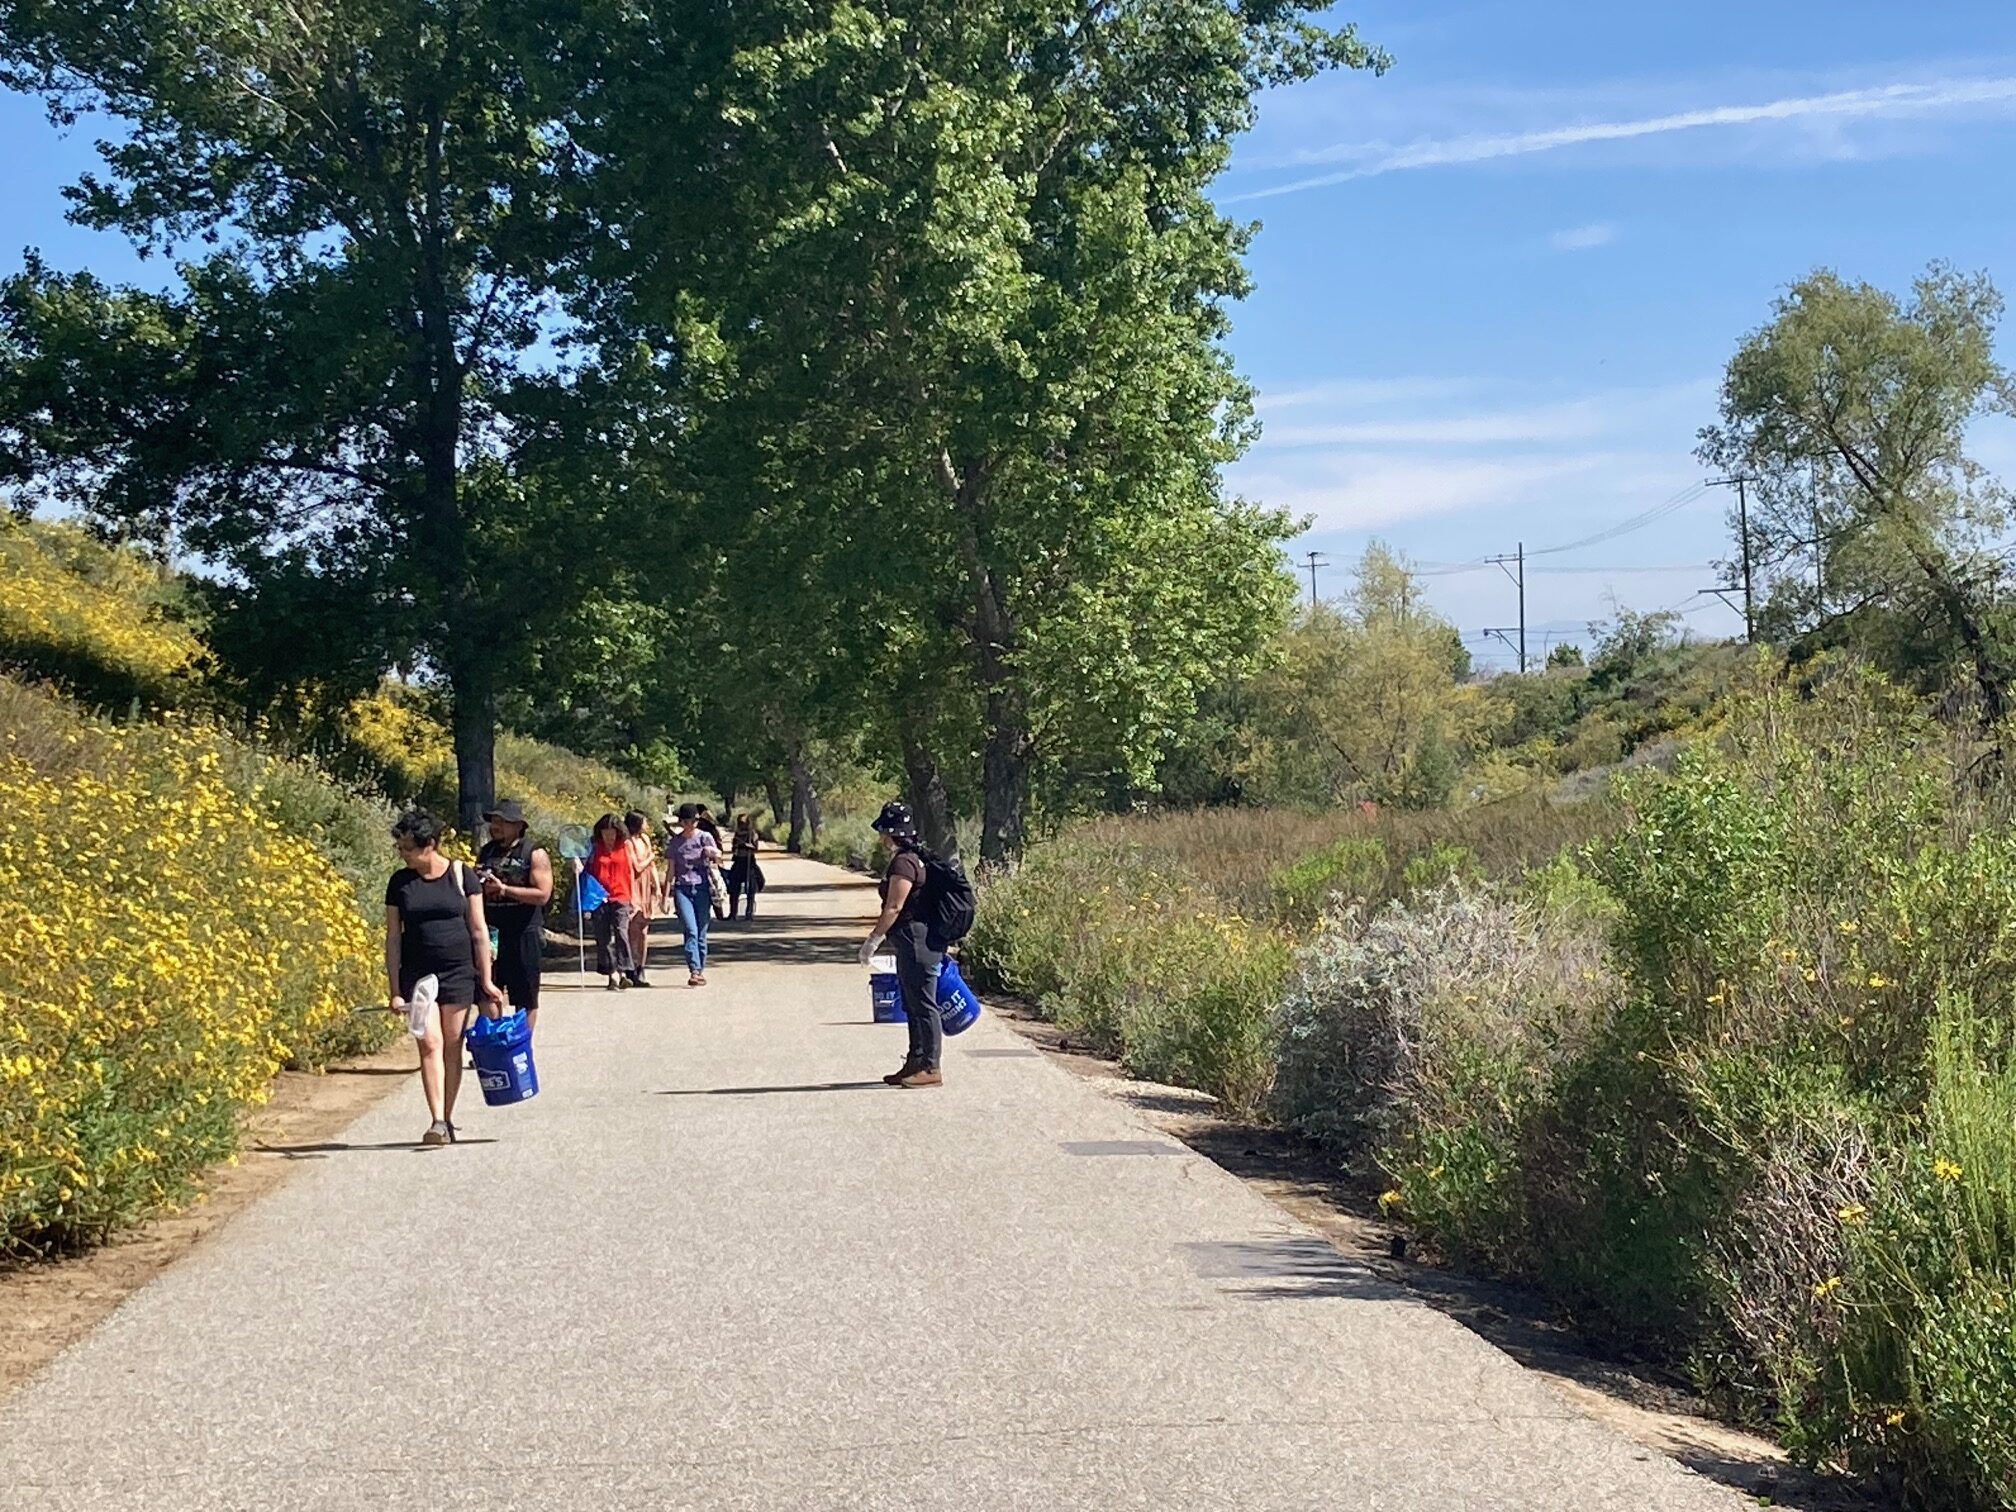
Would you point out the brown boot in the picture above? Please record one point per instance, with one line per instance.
(922, 1077)
(895, 1078)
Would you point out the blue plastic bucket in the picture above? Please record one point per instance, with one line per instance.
(958, 1008)
(885, 991)
(502, 1050)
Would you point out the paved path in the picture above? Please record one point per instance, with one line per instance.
(708, 1267)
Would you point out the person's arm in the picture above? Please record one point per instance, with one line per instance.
(479, 937)
(540, 891)
(392, 928)
(892, 910)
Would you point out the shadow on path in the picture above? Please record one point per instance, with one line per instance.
(330, 1147)
(850, 1086)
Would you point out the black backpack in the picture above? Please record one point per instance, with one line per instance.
(948, 901)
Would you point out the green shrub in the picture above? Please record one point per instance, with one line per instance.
(1440, 863)
(1349, 868)
(1416, 1040)
(1149, 967)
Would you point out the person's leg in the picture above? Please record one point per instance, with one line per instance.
(454, 1020)
(639, 935)
(619, 939)
(918, 966)
(702, 915)
(525, 951)
(692, 903)
(432, 1074)
(604, 957)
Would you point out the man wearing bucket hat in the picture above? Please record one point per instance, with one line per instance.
(919, 958)
(517, 885)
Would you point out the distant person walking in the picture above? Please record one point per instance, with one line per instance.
(903, 923)
(693, 856)
(745, 876)
(717, 885)
(435, 927)
(707, 824)
(612, 864)
(646, 887)
(517, 881)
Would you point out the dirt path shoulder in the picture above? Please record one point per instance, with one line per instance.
(46, 1306)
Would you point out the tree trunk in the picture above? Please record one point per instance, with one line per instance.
(728, 796)
(474, 686)
(928, 800)
(1010, 739)
(1005, 805)
(775, 794)
(1989, 675)
(801, 801)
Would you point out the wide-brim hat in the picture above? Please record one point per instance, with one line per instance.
(895, 820)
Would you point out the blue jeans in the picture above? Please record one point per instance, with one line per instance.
(917, 967)
(696, 907)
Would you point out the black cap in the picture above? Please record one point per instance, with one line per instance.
(508, 810)
(896, 820)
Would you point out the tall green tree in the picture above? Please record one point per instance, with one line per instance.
(346, 403)
(1363, 702)
(1849, 411)
(969, 252)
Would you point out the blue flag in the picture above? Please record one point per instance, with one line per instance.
(593, 893)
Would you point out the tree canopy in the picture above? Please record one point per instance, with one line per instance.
(719, 378)
(1849, 414)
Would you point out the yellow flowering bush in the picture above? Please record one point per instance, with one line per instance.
(166, 946)
(1181, 986)
(90, 617)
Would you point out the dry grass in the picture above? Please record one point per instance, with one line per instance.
(1237, 853)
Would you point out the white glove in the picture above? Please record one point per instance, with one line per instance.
(868, 948)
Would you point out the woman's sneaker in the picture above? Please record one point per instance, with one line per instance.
(438, 1133)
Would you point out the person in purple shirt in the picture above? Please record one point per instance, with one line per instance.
(689, 861)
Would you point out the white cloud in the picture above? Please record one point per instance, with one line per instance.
(1583, 238)
(1355, 457)
(1361, 393)
(1369, 159)
(1577, 421)
(1371, 491)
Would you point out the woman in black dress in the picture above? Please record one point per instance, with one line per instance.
(434, 926)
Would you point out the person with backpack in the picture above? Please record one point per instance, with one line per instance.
(927, 906)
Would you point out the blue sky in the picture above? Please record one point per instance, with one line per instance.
(1496, 287)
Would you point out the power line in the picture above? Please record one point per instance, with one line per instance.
(1638, 521)
(1623, 527)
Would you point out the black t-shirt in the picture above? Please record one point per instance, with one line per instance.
(513, 867)
(434, 918)
(910, 866)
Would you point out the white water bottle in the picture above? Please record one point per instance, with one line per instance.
(420, 1006)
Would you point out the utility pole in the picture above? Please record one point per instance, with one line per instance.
(1315, 559)
(1518, 558)
(1743, 530)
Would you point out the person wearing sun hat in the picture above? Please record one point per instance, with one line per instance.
(918, 959)
(517, 885)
